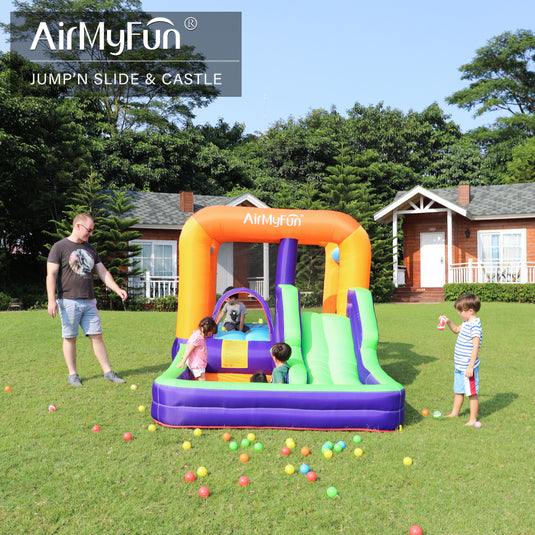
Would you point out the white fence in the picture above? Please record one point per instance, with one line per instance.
(510, 273)
(151, 286)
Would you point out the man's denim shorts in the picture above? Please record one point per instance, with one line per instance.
(75, 313)
(466, 385)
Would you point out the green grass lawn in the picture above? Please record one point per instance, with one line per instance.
(58, 476)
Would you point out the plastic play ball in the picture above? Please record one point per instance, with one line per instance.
(305, 451)
(415, 530)
(244, 457)
(197, 432)
(227, 436)
(478, 424)
(285, 450)
(425, 412)
(437, 414)
(327, 446)
(127, 436)
(337, 447)
(358, 452)
(52, 408)
(342, 443)
(186, 445)
(311, 476)
(258, 446)
(289, 469)
(133, 387)
(201, 471)
(204, 492)
(7, 388)
(327, 453)
(332, 492)
(151, 428)
(95, 428)
(407, 461)
(141, 408)
(251, 437)
(357, 439)
(304, 469)
(189, 477)
(290, 443)
(245, 443)
(243, 481)
(233, 445)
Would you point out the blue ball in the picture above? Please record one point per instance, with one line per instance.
(342, 443)
(304, 469)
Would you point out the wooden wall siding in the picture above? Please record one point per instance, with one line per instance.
(463, 248)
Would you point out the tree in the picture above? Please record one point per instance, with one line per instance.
(522, 166)
(502, 79)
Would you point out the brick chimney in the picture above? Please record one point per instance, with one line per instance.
(186, 201)
(464, 194)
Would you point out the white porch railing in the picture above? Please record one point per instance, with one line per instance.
(155, 286)
(510, 273)
(256, 284)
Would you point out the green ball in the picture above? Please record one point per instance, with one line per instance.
(357, 439)
(332, 492)
(338, 447)
(258, 446)
(245, 442)
(233, 445)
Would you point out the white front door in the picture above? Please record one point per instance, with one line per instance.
(432, 259)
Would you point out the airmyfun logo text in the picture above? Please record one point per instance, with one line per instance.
(82, 38)
(288, 220)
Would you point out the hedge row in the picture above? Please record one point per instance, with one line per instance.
(507, 293)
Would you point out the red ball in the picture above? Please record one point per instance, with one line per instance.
(311, 476)
(243, 481)
(285, 451)
(95, 428)
(127, 436)
(204, 492)
(415, 530)
(189, 477)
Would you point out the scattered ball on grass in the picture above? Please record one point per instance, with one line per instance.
(407, 461)
(243, 481)
(204, 492)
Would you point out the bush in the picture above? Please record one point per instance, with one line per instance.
(169, 303)
(506, 293)
(5, 301)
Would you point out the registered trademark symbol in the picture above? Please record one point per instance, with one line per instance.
(190, 23)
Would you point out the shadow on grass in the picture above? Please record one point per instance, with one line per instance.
(496, 403)
(156, 371)
(401, 363)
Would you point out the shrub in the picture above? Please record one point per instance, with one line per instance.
(507, 293)
(5, 301)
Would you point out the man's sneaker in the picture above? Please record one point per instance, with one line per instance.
(113, 377)
(74, 380)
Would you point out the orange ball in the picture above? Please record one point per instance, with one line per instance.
(244, 457)
(305, 451)
(425, 412)
(7, 388)
(227, 436)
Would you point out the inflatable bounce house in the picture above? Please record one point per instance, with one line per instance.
(334, 380)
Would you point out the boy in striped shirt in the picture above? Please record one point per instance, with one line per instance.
(466, 355)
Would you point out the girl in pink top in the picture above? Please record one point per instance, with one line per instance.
(196, 354)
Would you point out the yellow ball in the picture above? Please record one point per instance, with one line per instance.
(186, 445)
(251, 437)
(407, 461)
(289, 469)
(133, 387)
(290, 443)
(197, 432)
(151, 428)
(327, 453)
(141, 408)
(358, 452)
(201, 471)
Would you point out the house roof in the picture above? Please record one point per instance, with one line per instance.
(504, 201)
(162, 210)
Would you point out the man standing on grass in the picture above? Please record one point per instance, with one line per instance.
(70, 267)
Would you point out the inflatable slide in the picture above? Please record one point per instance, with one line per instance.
(335, 380)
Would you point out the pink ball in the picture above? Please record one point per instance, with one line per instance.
(478, 424)
(415, 530)
(204, 492)
(243, 481)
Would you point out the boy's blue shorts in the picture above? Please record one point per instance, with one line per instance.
(75, 313)
(468, 386)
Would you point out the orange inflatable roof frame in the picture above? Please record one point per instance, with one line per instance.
(208, 228)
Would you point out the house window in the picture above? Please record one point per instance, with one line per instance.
(502, 255)
(157, 257)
